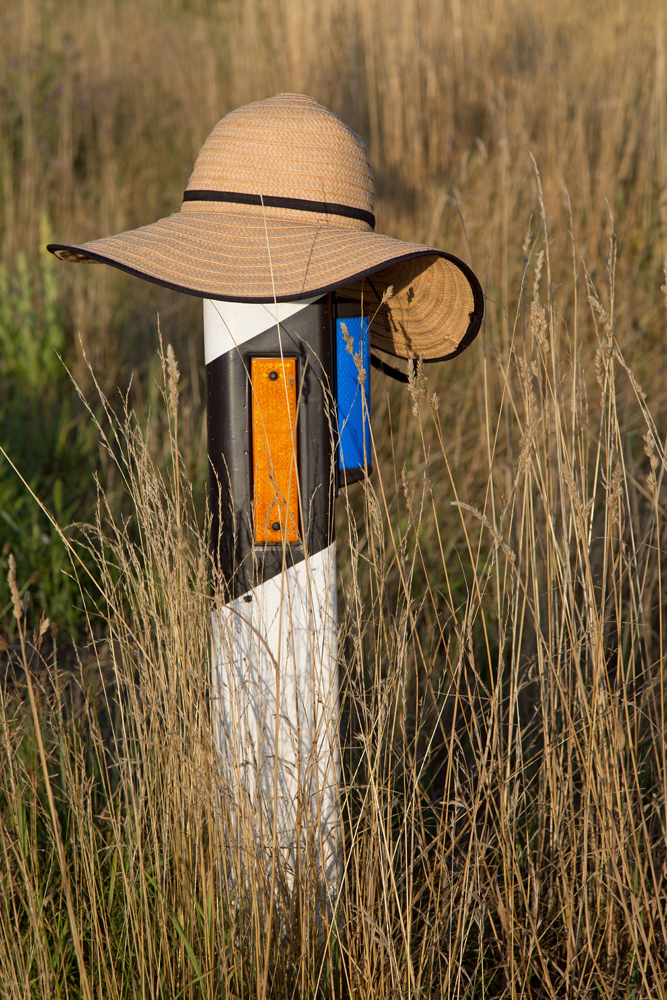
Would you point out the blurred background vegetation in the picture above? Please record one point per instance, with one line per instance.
(104, 106)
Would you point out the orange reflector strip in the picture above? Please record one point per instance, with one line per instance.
(275, 483)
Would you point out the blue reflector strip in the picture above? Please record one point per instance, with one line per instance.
(353, 392)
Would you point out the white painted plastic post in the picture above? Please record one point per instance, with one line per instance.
(275, 683)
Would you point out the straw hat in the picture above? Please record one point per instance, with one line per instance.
(280, 207)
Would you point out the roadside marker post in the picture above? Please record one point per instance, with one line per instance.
(276, 235)
(288, 423)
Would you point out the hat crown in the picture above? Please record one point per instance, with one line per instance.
(289, 146)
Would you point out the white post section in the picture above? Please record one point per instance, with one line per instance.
(275, 680)
(280, 648)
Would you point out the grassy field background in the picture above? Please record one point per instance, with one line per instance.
(501, 575)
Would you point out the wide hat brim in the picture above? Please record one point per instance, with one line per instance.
(250, 255)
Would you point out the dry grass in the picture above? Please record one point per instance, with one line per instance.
(502, 660)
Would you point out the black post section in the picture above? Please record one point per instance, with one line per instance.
(243, 563)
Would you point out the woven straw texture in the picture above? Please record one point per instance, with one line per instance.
(291, 147)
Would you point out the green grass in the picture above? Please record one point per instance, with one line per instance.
(46, 435)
